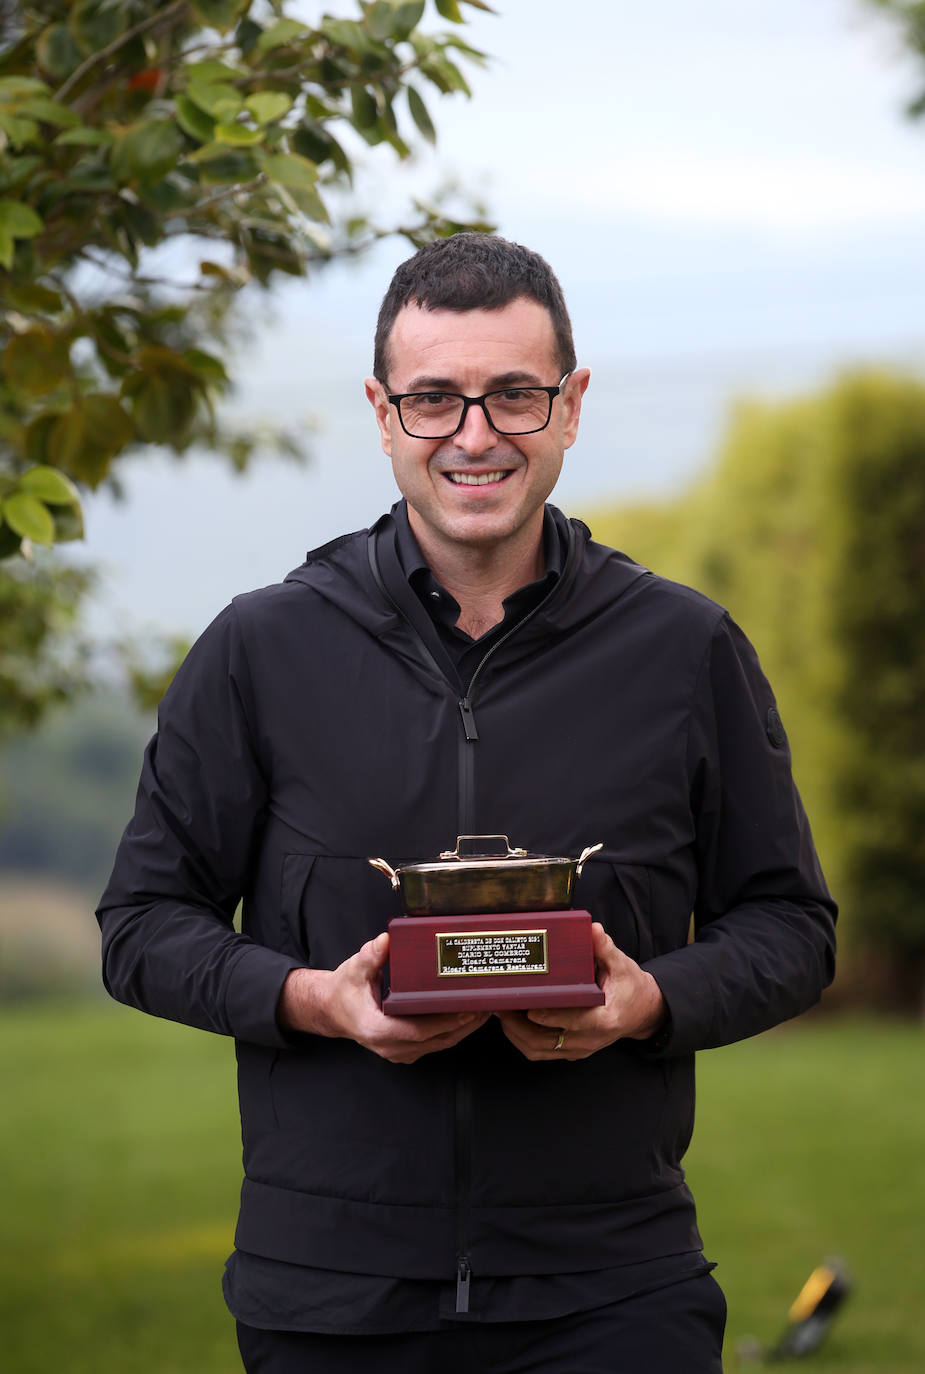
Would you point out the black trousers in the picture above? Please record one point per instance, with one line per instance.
(676, 1330)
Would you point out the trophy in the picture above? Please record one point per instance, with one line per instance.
(489, 928)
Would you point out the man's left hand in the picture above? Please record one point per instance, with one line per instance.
(633, 1009)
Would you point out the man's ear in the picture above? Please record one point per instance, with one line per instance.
(575, 388)
(376, 395)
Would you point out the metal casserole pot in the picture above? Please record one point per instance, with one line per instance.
(484, 874)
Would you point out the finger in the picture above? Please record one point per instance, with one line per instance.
(419, 1029)
(405, 1052)
(559, 1018)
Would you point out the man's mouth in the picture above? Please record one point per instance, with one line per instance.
(473, 479)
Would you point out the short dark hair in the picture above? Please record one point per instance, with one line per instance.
(473, 271)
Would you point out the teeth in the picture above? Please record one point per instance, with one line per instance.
(466, 479)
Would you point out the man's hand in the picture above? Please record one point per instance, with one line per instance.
(344, 1003)
(633, 1009)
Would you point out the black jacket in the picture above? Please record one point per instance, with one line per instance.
(319, 722)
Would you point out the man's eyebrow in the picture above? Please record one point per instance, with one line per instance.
(503, 379)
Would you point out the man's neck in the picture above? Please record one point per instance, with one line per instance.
(479, 578)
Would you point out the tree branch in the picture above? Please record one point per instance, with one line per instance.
(153, 21)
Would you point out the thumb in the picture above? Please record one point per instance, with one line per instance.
(375, 952)
(606, 954)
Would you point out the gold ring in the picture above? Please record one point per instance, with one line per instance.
(560, 1042)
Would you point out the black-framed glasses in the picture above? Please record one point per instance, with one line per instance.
(509, 410)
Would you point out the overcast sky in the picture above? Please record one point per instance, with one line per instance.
(731, 197)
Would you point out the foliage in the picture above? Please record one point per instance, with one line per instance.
(811, 530)
(910, 15)
(157, 163)
(42, 659)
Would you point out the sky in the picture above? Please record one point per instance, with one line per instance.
(731, 197)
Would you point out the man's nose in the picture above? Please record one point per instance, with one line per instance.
(476, 435)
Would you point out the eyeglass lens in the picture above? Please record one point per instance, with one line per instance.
(437, 414)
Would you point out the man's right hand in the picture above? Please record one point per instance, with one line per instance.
(344, 1003)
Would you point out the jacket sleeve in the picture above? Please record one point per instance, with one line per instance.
(764, 921)
(169, 943)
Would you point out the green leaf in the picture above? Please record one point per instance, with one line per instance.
(206, 365)
(85, 439)
(147, 152)
(364, 107)
(449, 9)
(50, 486)
(216, 98)
(239, 135)
(14, 171)
(290, 169)
(49, 112)
(10, 543)
(380, 20)
(311, 204)
(69, 523)
(407, 17)
(16, 88)
(32, 298)
(19, 221)
(219, 165)
(95, 24)
(90, 138)
(420, 116)
(163, 409)
(67, 437)
(194, 121)
(217, 14)
(267, 106)
(280, 33)
(57, 53)
(36, 361)
(211, 69)
(29, 518)
(19, 131)
(37, 435)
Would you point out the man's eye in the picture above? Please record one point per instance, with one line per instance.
(434, 399)
(514, 394)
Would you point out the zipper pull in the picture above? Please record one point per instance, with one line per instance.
(463, 1275)
(468, 718)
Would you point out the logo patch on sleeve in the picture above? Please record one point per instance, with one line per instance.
(774, 728)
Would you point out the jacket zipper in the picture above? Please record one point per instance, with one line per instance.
(470, 732)
(466, 821)
(463, 1171)
(466, 824)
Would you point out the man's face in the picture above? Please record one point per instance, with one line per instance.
(472, 352)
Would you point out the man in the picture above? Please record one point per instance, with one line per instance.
(460, 1191)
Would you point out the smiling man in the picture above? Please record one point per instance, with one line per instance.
(466, 1192)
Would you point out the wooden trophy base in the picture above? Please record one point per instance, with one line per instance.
(510, 960)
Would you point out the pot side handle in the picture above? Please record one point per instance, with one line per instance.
(583, 858)
(387, 869)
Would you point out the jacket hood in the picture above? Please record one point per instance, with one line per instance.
(361, 575)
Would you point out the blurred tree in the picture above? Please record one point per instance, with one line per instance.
(910, 15)
(811, 530)
(156, 161)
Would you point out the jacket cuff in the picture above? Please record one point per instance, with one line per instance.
(252, 996)
(689, 1000)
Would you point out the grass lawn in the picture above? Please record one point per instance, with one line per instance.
(120, 1153)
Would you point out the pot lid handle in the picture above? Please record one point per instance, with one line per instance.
(483, 847)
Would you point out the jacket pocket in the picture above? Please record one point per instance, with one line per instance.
(620, 897)
(295, 875)
(330, 905)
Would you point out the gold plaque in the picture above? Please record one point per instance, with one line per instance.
(477, 953)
